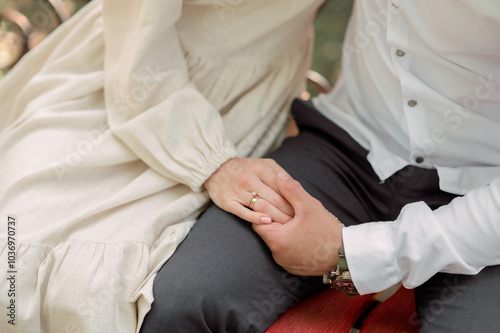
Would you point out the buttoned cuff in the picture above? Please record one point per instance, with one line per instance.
(369, 256)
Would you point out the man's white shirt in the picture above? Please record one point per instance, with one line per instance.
(421, 86)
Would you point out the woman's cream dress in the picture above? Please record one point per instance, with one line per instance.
(110, 127)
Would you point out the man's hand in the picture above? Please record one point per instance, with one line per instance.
(231, 187)
(308, 244)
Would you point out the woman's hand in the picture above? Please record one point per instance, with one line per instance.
(232, 185)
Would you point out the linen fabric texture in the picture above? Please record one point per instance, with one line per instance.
(110, 128)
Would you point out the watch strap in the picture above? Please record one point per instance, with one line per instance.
(342, 260)
(340, 278)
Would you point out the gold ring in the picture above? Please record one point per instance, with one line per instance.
(254, 199)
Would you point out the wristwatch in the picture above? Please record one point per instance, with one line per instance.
(340, 278)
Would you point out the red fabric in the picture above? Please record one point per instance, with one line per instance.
(334, 312)
(397, 314)
(328, 312)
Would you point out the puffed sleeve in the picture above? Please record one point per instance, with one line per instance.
(152, 106)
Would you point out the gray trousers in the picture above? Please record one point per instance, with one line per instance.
(222, 278)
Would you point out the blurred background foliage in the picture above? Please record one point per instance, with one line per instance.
(330, 25)
(25, 23)
(45, 15)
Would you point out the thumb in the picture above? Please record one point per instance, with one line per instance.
(292, 191)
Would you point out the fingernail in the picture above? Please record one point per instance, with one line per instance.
(265, 220)
(283, 176)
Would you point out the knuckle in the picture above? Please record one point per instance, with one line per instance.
(245, 180)
(270, 161)
(259, 168)
(233, 188)
(276, 201)
(264, 205)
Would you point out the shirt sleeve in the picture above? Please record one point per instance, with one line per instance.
(152, 105)
(462, 237)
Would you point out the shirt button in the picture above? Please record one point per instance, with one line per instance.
(419, 159)
(400, 53)
(412, 103)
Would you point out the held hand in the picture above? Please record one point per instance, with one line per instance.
(231, 187)
(308, 244)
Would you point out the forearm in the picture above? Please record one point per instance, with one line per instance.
(461, 237)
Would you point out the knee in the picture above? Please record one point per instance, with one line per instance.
(176, 304)
(191, 304)
(206, 304)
